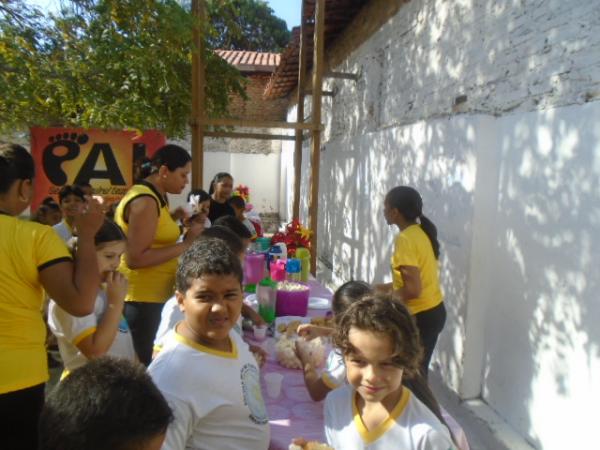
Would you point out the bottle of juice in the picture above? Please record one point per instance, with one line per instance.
(266, 300)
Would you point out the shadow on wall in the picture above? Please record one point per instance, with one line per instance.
(544, 315)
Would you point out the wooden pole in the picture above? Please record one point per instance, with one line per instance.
(243, 123)
(299, 116)
(315, 160)
(198, 94)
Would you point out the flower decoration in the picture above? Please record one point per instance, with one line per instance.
(294, 236)
(242, 191)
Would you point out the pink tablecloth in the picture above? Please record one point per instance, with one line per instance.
(294, 413)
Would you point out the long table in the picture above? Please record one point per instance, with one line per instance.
(294, 413)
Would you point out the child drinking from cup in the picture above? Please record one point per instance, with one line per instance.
(205, 370)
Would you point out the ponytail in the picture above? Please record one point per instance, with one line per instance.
(431, 231)
(410, 204)
(419, 387)
(170, 155)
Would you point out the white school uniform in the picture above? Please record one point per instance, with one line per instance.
(215, 396)
(334, 374)
(170, 316)
(70, 331)
(410, 426)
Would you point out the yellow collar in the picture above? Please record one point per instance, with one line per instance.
(233, 354)
(370, 436)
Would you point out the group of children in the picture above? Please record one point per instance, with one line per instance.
(202, 389)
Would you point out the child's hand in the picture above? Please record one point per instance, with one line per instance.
(302, 351)
(308, 331)
(193, 232)
(116, 287)
(259, 353)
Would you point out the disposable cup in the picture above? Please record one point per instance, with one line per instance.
(273, 382)
(260, 332)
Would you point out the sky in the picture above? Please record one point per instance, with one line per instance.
(288, 10)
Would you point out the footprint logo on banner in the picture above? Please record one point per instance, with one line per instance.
(52, 161)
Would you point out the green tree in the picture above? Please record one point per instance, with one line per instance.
(246, 25)
(105, 63)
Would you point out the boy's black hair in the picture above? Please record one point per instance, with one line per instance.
(108, 404)
(232, 240)
(235, 225)
(15, 164)
(67, 190)
(208, 256)
(237, 202)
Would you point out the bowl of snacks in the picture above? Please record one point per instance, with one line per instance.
(292, 299)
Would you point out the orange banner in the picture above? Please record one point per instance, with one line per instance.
(103, 158)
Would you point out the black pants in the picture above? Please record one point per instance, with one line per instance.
(19, 416)
(143, 319)
(430, 324)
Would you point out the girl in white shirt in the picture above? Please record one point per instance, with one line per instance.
(105, 330)
(379, 341)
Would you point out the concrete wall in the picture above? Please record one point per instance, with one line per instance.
(490, 110)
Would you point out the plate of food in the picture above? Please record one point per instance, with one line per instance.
(319, 303)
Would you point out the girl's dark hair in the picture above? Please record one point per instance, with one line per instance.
(15, 164)
(382, 313)
(172, 156)
(218, 178)
(410, 204)
(233, 241)
(109, 232)
(200, 193)
(235, 225)
(347, 294)
(237, 202)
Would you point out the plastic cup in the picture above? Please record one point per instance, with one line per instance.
(273, 382)
(260, 332)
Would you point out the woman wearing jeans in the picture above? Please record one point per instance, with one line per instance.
(150, 260)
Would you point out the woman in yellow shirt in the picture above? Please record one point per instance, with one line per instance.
(34, 259)
(415, 266)
(150, 260)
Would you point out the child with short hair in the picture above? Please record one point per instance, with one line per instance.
(380, 344)
(105, 330)
(205, 369)
(235, 225)
(71, 200)
(334, 374)
(239, 206)
(108, 404)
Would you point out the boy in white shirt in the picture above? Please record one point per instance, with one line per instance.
(205, 370)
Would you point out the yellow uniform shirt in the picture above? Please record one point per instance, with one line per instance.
(25, 249)
(412, 247)
(150, 284)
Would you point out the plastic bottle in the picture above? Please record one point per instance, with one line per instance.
(303, 254)
(266, 300)
(293, 269)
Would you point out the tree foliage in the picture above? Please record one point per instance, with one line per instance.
(108, 64)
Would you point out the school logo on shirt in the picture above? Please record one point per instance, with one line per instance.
(252, 394)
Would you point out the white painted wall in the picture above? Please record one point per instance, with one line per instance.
(512, 179)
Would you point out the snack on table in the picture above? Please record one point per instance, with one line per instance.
(322, 321)
(302, 444)
(286, 355)
(289, 329)
(291, 286)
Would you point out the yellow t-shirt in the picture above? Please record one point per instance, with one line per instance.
(412, 247)
(150, 284)
(25, 249)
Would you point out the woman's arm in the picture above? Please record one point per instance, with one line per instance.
(411, 277)
(74, 286)
(143, 220)
(99, 343)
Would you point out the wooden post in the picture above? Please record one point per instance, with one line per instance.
(198, 93)
(315, 160)
(299, 115)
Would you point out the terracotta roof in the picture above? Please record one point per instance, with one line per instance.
(247, 61)
(338, 14)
